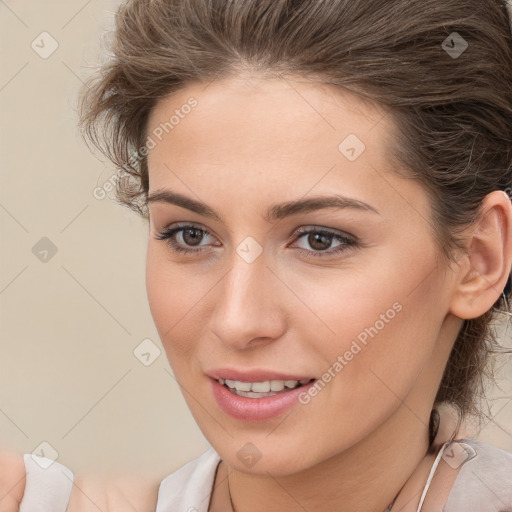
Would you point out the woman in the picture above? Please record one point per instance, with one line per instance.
(330, 239)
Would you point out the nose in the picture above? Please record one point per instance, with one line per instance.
(249, 306)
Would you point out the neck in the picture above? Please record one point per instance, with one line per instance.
(365, 478)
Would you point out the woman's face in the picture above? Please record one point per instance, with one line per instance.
(308, 257)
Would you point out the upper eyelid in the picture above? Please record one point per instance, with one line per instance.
(298, 233)
(323, 229)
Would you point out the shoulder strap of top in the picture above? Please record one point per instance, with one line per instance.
(48, 485)
(431, 474)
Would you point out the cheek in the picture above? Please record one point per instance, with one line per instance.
(171, 296)
(378, 325)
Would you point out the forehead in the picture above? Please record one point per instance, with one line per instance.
(261, 120)
(251, 140)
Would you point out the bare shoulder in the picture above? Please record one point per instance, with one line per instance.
(12, 481)
(484, 481)
(91, 493)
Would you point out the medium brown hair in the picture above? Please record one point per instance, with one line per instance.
(453, 113)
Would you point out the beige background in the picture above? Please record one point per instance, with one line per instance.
(70, 325)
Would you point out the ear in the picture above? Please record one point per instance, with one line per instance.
(484, 270)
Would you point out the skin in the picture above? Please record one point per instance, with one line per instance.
(251, 143)
(110, 494)
(12, 480)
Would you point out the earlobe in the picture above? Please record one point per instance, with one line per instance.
(486, 267)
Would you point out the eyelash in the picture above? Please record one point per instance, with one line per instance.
(347, 242)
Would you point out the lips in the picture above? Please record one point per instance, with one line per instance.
(256, 406)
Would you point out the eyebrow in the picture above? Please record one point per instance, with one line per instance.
(275, 212)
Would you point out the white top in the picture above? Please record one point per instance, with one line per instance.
(190, 487)
(484, 482)
(48, 485)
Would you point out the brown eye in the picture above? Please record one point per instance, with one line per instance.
(181, 237)
(192, 236)
(320, 240)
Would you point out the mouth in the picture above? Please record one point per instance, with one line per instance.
(262, 389)
(257, 395)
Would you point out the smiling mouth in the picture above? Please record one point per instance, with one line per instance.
(262, 389)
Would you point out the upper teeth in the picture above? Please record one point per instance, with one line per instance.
(263, 387)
